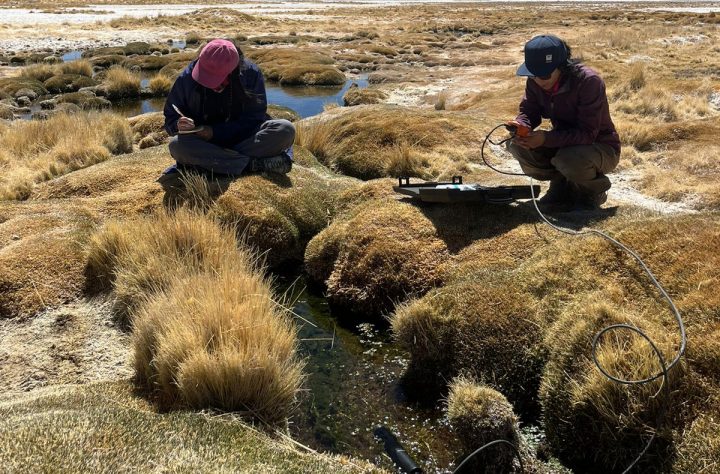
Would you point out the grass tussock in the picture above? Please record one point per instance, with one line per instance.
(41, 256)
(72, 419)
(297, 66)
(160, 84)
(359, 96)
(484, 328)
(279, 217)
(382, 253)
(479, 415)
(121, 83)
(377, 141)
(148, 129)
(59, 145)
(220, 340)
(207, 331)
(44, 72)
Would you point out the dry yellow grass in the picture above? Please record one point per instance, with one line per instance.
(479, 415)
(207, 329)
(43, 150)
(297, 66)
(160, 84)
(377, 141)
(121, 83)
(41, 255)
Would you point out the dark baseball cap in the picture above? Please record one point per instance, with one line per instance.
(543, 54)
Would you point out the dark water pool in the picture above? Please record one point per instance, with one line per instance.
(353, 386)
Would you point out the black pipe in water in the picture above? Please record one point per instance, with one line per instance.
(396, 451)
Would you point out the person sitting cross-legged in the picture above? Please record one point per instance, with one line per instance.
(217, 114)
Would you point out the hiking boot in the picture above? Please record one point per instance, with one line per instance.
(558, 197)
(279, 164)
(557, 193)
(171, 178)
(590, 202)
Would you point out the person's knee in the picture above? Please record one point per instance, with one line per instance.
(285, 131)
(574, 164)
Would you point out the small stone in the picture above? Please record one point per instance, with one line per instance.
(15, 237)
(24, 101)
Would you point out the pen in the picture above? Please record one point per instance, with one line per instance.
(177, 110)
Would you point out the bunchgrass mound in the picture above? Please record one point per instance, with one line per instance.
(63, 428)
(293, 66)
(484, 327)
(68, 83)
(279, 215)
(218, 339)
(121, 83)
(19, 86)
(207, 330)
(382, 140)
(381, 253)
(358, 96)
(137, 258)
(41, 255)
(41, 150)
(148, 129)
(479, 415)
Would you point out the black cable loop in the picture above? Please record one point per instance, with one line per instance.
(665, 368)
(516, 453)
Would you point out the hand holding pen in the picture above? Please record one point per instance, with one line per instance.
(184, 124)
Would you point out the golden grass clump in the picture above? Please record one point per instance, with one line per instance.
(148, 126)
(68, 83)
(359, 96)
(278, 216)
(219, 340)
(160, 84)
(478, 415)
(297, 66)
(482, 327)
(383, 252)
(38, 72)
(614, 419)
(377, 141)
(207, 331)
(80, 66)
(146, 256)
(42, 150)
(121, 83)
(41, 256)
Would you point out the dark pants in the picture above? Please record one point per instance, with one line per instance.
(583, 165)
(271, 139)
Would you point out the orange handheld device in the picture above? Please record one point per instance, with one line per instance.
(517, 129)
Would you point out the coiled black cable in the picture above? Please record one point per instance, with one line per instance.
(665, 368)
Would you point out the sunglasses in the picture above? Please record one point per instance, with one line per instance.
(544, 78)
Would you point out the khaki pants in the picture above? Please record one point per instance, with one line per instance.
(583, 165)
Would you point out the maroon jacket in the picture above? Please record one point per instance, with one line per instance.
(578, 111)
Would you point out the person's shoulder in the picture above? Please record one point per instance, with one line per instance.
(248, 65)
(586, 73)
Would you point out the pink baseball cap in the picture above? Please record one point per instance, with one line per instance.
(217, 59)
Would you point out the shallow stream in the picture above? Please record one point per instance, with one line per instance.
(353, 386)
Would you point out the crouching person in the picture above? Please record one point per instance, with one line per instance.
(583, 144)
(217, 114)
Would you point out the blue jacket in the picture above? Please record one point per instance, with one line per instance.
(234, 114)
